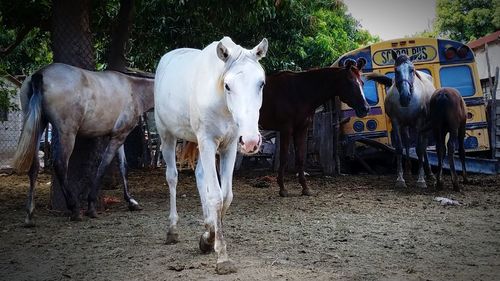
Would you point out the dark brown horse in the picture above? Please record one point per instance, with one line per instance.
(289, 102)
(447, 115)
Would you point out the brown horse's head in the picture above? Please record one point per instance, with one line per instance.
(352, 92)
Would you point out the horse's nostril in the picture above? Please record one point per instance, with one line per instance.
(241, 141)
(255, 148)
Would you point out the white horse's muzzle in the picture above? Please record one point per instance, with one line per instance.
(250, 144)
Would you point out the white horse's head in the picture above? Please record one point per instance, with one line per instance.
(243, 80)
(404, 76)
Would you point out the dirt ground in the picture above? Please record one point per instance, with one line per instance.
(353, 228)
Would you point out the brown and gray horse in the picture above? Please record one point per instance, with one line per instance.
(406, 104)
(84, 103)
(447, 115)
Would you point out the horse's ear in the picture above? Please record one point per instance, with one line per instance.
(394, 55)
(261, 49)
(360, 63)
(222, 52)
(348, 63)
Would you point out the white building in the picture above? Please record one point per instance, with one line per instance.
(487, 48)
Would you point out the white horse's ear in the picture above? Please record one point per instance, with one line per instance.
(222, 52)
(394, 55)
(261, 49)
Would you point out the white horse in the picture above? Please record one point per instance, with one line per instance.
(211, 97)
(407, 105)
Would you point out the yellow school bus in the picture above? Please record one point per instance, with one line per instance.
(450, 63)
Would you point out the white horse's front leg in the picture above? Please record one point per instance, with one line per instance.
(214, 206)
(168, 149)
(227, 160)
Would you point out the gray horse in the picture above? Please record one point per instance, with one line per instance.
(406, 104)
(84, 103)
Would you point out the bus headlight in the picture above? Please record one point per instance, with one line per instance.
(471, 143)
(371, 125)
(358, 126)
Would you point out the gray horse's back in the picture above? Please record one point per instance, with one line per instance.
(84, 101)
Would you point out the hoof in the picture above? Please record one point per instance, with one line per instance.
(421, 184)
(439, 184)
(283, 193)
(29, 222)
(205, 246)
(431, 178)
(134, 207)
(306, 192)
(76, 217)
(400, 184)
(172, 237)
(91, 213)
(225, 267)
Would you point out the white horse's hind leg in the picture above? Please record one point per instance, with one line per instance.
(400, 181)
(214, 202)
(168, 150)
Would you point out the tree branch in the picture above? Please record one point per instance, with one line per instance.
(19, 38)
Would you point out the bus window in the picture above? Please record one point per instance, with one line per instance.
(370, 90)
(458, 77)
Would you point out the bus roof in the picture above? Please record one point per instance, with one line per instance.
(427, 50)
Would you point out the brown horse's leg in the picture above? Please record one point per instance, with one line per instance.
(461, 150)
(440, 149)
(284, 144)
(299, 140)
(107, 157)
(64, 147)
(30, 205)
(451, 151)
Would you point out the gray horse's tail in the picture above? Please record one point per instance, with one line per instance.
(32, 127)
(379, 78)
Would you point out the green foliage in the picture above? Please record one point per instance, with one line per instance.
(302, 33)
(7, 94)
(466, 20)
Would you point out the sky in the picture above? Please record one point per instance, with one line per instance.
(390, 19)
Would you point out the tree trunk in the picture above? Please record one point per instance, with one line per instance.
(121, 31)
(72, 44)
(117, 61)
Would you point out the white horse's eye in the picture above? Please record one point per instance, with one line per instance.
(262, 85)
(227, 87)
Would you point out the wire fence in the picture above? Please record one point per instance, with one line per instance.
(10, 130)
